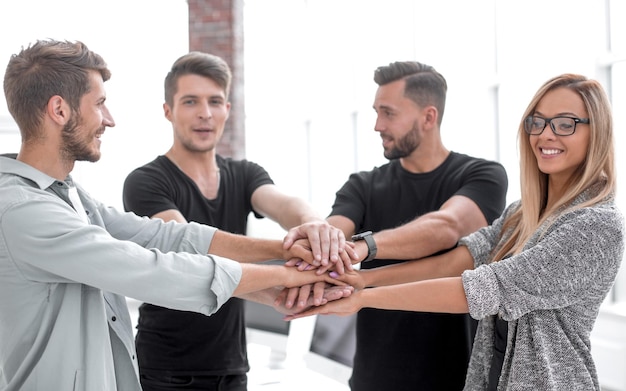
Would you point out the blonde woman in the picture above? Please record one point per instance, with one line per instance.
(536, 277)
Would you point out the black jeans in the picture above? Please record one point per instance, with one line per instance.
(167, 382)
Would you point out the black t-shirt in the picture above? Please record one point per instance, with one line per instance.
(187, 342)
(402, 350)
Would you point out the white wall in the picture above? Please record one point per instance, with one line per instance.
(140, 40)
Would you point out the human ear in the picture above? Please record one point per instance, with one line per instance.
(431, 115)
(58, 110)
(167, 111)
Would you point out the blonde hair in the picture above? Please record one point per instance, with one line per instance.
(597, 170)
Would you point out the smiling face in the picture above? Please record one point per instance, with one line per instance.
(560, 156)
(81, 134)
(199, 113)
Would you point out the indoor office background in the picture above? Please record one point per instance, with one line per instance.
(308, 102)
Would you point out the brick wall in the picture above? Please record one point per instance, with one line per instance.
(216, 27)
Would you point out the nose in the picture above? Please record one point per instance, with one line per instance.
(107, 118)
(547, 134)
(378, 125)
(205, 111)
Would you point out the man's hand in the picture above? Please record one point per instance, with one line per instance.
(327, 244)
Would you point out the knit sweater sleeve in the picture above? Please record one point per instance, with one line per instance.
(578, 255)
(481, 242)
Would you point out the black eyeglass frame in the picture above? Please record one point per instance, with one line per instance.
(552, 127)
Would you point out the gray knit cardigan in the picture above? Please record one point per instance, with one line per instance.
(550, 294)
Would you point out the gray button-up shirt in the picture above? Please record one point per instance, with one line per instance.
(64, 324)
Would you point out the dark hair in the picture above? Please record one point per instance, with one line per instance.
(423, 84)
(197, 63)
(43, 70)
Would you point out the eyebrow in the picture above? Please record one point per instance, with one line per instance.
(561, 114)
(383, 107)
(194, 96)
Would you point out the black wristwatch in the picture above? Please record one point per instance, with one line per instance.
(371, 244)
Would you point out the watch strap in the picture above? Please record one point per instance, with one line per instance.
(371, 247)
(371, 244)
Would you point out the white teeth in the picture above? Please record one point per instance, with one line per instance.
(550, 151)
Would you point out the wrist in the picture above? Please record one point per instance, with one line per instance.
(368, 238)
(367, 277)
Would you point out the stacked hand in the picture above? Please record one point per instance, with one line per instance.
(347, 305)
(321, 247)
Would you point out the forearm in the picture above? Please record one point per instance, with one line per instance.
(450, 264)
(444, 295)
(432, 232)
(265, 296)
(256, 278)
(417, 239)
(296, 212)
(244, 248)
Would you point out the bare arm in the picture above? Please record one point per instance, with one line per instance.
(327, 243)
(449, 264)
(242, 248)
(444, 295)
(431, 232)
(286, 210)
(247, 249)
(425, 235)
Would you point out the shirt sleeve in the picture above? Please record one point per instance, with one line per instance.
(481, 242)
(135, 257)
(255, 176)
(148, 190)
(485, 182)
(350, 199)
(578, 255)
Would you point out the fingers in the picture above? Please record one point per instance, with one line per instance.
(336, 244)
(337, 292)
(303, 296)
(324, 242)
(344, 306)
(350, 251)
(318, 293)
(292, 235)
(310, 312)
(301, 250)
(319, 241)
(281, 298)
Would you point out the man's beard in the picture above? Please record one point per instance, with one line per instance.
(74, 148)
(404, 146)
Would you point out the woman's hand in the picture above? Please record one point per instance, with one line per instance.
(327, 294)
(342, 307)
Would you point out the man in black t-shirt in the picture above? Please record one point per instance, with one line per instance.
(182, 350)
(420, 203)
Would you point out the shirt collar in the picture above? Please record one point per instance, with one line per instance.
(9, 165)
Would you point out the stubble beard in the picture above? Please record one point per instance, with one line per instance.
(74, 147)
(404, 146)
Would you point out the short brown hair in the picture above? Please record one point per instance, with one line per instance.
(197, 63)
(43, 70)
